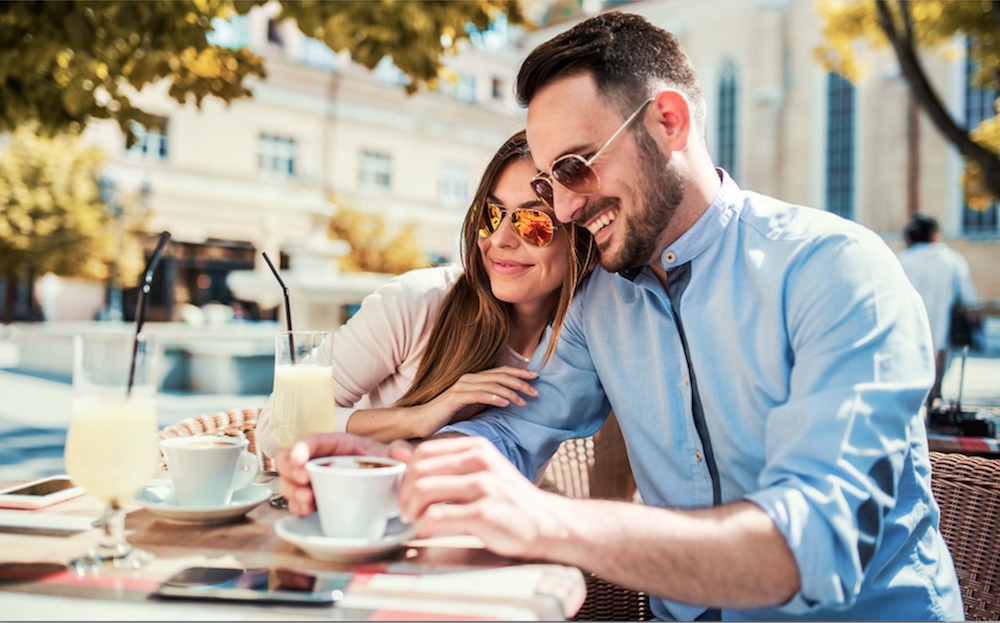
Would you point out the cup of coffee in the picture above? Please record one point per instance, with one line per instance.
(355, 495)
(206, 470)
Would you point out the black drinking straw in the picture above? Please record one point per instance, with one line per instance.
(288, 306)
(140, 306)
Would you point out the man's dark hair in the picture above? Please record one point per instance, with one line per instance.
(628, 58)
(921, 228)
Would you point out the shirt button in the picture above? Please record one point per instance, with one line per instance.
(669, 257)
(697, 456)
(686, 379)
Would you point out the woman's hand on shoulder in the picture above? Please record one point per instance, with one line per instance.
(473, 392)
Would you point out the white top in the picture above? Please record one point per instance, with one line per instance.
(941, 276)
(377, 353)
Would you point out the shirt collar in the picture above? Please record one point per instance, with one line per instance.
(727, 204)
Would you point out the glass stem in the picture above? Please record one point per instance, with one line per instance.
(112, 543)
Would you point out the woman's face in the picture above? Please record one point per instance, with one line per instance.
(522, 274)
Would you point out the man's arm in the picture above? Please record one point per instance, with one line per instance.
(728, 556)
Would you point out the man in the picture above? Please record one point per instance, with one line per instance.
(766, 363)
(941, 277)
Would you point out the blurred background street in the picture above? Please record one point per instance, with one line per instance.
(346, 140)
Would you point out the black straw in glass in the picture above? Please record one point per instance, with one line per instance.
(288, 306)
(140, 307)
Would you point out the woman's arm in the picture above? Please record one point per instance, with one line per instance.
(470, 394)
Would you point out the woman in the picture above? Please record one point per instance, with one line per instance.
(440, 344)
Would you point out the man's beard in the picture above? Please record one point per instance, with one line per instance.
(661, 189)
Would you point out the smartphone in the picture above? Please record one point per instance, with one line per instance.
(264, 585)
(39, 493)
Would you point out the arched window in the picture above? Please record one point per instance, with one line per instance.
(978, 106)
(839, 145)
(726, 154)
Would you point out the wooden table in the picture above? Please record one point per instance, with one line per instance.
(401, 587)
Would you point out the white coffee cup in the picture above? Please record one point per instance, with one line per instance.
(355, 495)
(206, 470)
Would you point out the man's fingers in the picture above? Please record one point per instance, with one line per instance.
(400, 450)
(330, 444)
(300, 499)
(428, 491)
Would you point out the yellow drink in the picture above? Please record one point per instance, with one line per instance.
(111, 446)
(303, 402)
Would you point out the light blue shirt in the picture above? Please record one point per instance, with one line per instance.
(785, 364)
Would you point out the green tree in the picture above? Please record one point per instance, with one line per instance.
(907, 26)
(65, 62)
(52, 217)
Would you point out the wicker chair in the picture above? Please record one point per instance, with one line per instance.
(967, 488)
(598, 467)
(593, 467)
(232, 423)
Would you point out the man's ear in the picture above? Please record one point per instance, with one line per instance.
(673, 116)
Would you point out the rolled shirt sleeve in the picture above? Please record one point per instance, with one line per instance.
(836, 449)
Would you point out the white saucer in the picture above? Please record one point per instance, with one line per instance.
(305, 533)
(159, 500)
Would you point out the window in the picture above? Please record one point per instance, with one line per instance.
(233, 33)
(317, 54)
(386, 72)
(726, 156)
(839, 146)
(274, 33)
(277, 155)
(465, 90)
(151, 143)
(454, 185)
(978, 106)
(376, 170)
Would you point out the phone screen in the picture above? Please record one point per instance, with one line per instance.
(260, 585)
(43, 488)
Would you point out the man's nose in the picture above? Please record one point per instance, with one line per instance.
(568, 204)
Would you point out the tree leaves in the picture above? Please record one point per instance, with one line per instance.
(371, 248)
(63, 63)
(51, 214)
(930, 23)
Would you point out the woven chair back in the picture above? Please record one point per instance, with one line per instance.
(598, 467)
(232, 423)
(592, 467)
(967, 488)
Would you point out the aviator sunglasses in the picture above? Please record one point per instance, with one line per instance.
(533, 226)
(576, 173)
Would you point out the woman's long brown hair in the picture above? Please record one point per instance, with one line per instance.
(473, 326)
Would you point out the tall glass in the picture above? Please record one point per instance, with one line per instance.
(303, 386)
(111, 445)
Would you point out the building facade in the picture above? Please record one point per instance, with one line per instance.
(266, 173)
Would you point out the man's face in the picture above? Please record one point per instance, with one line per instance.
(640, 188)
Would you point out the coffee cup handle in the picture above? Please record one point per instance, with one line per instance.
(246, 470)
(392, 510)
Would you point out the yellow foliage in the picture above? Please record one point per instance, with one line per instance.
(54, 55)
(853, 26)
(51, 214)
(372, 249)
(987, 135)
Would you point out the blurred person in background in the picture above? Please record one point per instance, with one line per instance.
(437, 345)
(942, 278)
